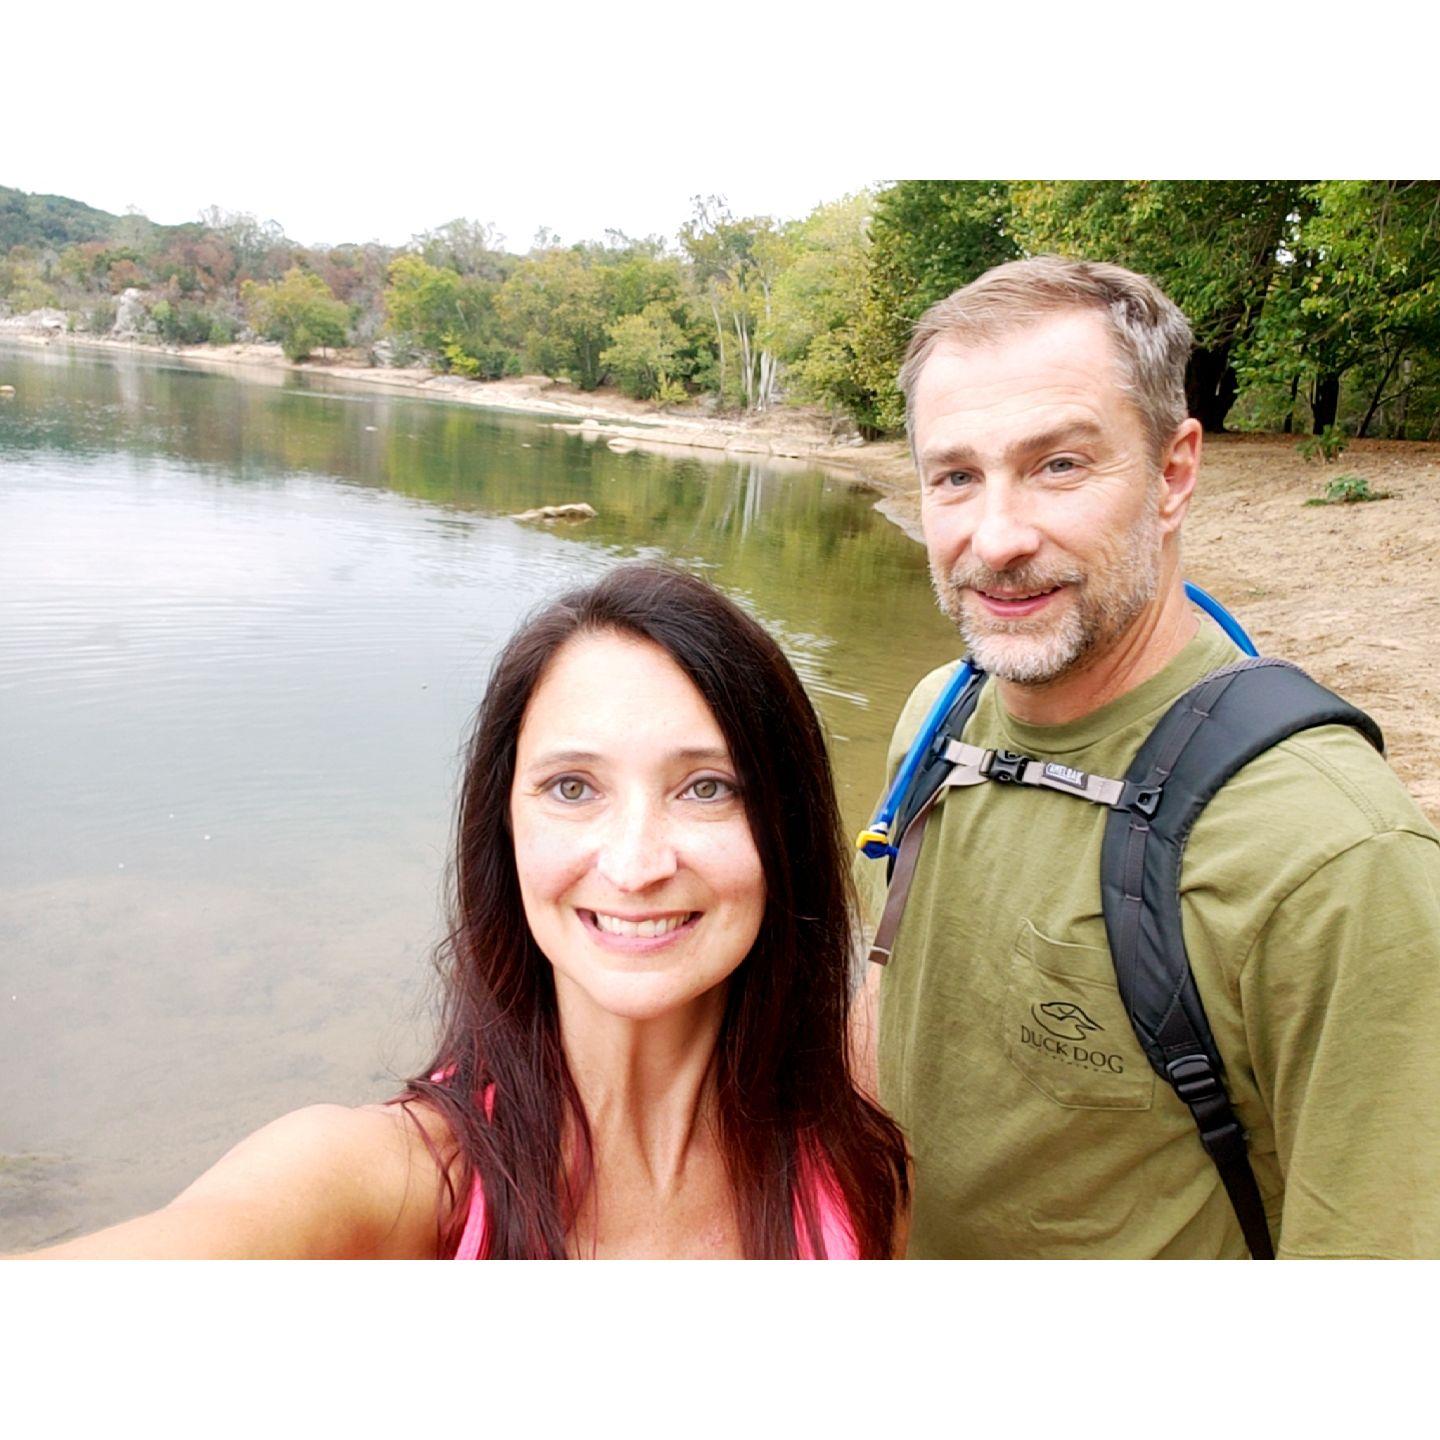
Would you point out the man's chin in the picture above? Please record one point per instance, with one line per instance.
(1022, 652)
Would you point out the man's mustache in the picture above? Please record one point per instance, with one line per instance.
(1024, 578)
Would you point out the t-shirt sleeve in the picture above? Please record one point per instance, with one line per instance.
(1341, 999)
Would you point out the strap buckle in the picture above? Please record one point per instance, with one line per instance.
(1006, 767)
(1194, 1078)
(1141, 799)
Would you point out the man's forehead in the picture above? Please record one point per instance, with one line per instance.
(1045, 378)
(1065, 339)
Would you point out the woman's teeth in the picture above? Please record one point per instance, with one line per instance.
(614, 925)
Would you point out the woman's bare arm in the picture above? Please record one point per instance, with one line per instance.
(325, 1182)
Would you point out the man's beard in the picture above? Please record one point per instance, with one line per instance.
(1035, 650)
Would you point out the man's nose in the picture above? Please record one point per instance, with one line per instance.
(638, 850)
(1005, 535)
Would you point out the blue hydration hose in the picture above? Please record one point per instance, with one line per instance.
(874, 840)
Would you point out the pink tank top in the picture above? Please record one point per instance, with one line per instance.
(835, 1227)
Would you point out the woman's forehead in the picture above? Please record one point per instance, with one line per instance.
(616, 693)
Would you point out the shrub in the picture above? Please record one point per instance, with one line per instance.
(1329, 444)
(100, 318)
(1348, 490)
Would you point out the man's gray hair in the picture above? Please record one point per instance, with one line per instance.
(1152, 338)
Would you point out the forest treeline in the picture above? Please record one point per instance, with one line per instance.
(1316, 304)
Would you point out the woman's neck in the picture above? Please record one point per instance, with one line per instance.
(647, 1085)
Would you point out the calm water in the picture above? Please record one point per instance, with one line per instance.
(243, 626)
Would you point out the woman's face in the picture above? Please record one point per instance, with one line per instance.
(639, 876)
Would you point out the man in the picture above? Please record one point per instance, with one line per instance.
(1046, 413)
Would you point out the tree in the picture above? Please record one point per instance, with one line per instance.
(816, 302)
(1358, 295)
(735, 263)
(1212, 246)
(553, 309)
(643, 352)
(298, 311)
(468, 247)
(927, 238)
(449, 317)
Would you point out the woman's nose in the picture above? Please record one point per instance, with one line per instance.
(638, 850)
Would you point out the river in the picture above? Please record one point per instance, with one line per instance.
(244, 623)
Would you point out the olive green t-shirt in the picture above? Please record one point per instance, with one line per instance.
(1311, 907)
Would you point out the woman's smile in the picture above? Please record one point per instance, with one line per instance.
(646, 927)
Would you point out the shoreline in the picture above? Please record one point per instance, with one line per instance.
(882, 466)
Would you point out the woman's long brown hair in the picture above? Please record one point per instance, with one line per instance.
(782, 1084)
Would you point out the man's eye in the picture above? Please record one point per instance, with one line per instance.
(570, 788)
(956, 479)
(1061, 465)
(709, 787)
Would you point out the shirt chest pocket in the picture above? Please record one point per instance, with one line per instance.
(1063, 1026)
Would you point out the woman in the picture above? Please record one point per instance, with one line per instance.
(644, 1045)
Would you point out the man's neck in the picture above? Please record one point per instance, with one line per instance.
(1161, 631)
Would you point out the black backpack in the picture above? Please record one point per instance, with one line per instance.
(1210, 732)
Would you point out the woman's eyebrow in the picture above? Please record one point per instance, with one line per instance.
(690, 754)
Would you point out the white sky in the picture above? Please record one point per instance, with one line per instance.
(346, 123)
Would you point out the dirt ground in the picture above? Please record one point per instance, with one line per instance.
(1351, 592)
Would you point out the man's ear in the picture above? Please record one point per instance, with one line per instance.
(1179, 469)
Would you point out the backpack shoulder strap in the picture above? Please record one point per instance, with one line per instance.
(1213, 730)
(936, 766)
(914, 811)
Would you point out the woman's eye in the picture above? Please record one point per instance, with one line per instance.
(571, 788)
(709, 787)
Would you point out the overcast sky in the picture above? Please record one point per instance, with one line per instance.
(343, 123)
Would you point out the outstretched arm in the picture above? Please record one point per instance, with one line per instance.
(325, 1182)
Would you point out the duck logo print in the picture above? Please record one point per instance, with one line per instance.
(1064, 1020)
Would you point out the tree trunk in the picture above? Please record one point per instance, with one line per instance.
(1375, 398)
(747, 363)
(1289, 428)
(720, 336)
(1326, 403)
(1211, 386)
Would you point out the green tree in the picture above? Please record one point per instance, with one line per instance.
(816, 303)
(927, 238)
(1356, 304)
(1212, 246)
(299, 311)
(553, 309)
(643, 352)
(448, 317)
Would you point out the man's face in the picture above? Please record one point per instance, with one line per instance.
(1040, 499)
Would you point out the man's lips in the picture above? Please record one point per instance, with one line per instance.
(1013, 604)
